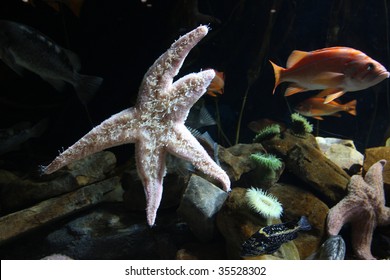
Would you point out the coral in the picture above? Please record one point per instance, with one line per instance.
(155, 124)
(263, 203)
(300, 125)
(267, 133)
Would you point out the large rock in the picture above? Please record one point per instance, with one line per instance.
(200, 203)
(51, 210)
(17, 193)
(342, 152)
(303, 158)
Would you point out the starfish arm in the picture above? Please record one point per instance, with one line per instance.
(374, 178)
(383, 216)
(350, 206)
(182, 144)
(187, 91)
(160, 74)
(151, 170)
(117, 130)
(362, 230)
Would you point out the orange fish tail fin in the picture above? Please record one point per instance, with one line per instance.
(277, 72)
(351, 107)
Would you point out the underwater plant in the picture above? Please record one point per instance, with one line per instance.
(300, 126)
(267, 133)
(268, 161)
(263, 203)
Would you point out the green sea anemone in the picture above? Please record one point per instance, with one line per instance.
(300, 125)
(263, 203)
(268, 161)
(267, 133)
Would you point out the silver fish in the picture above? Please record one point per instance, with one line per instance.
(267, 240)
(23, 47)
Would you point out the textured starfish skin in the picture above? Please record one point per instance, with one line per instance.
(363, 207)
(155, 124)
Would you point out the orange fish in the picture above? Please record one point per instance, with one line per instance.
(217, 84)
(335, 70)
(314, 107)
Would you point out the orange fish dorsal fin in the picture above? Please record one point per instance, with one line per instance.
(328, 91)
(333, 96)
(295, 57)
(293, 89)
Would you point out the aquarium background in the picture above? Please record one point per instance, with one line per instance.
(119, 40)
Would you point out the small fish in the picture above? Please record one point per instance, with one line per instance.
(22, 47)
(199, 116)
(334, 70)
(267, 240)
(217, 84)
(314, 107)
(11, 138)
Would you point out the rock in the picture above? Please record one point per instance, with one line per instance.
(298, 202)
(200, 203)
(48, 211)
(93, 168)
(108, 232)
(342, 152)
(17, 193)
(332, 249)
(304, 159)
(241, 168)
(237, 223)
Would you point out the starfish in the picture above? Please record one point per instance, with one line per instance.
(155, 124)
(363, 207)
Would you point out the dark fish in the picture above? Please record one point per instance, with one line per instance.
(332, 249)
(11, 138)
(22, 47)
(268, 239)
(199, 116)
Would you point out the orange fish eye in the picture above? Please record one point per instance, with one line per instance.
(370, 66)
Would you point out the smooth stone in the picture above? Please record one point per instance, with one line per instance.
(199, 205)
(342, 152)
(332, 249)
(53, 209)
(304, 159)
(237, 222)
(298, 202)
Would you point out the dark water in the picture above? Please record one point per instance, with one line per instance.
(119, 40)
